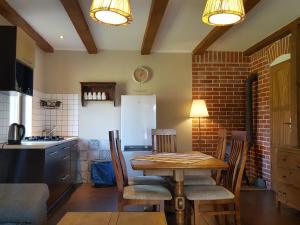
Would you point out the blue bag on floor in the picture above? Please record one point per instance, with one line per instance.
(102, 173)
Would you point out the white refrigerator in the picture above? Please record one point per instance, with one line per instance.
(138, 118)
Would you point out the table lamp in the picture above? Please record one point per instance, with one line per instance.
(199, 110)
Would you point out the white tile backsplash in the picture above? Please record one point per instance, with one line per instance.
(4, 117)
(65, 118)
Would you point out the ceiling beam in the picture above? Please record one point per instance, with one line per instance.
(14, 18)
(75, 13)
(157, 12)
(218, 32)
(282, 32)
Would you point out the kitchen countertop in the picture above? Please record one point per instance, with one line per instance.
(37, 144)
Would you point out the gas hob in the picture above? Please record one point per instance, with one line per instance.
(44, 138)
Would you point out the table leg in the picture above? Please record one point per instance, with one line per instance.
(179, 197)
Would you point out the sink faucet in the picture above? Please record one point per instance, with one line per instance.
(49, 132)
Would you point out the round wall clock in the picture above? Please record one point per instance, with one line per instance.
(141, 74)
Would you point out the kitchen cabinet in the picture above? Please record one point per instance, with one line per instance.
(16, 44)
(58, 170)
(288, 170)
(55, 166)
(16, 61)
(25, 51)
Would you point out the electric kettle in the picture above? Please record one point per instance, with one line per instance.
(16, 133)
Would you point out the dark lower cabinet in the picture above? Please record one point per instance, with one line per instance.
(58, 170)
(56, 166)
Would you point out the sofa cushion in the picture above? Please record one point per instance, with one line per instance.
(23, 203)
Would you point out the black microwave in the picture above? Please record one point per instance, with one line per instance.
(24, 78)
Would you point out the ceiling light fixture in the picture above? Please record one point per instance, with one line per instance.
(113, 12)
(61, 37)
(223, 12)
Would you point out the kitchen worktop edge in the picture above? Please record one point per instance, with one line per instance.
(38, 144)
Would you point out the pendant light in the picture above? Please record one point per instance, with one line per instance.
(223, 12)
(113, 12)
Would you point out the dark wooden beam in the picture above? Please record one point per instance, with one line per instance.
(218, 32)
(282, 32)
(212, 36)
(295, 82)
(74, 11)
(14, 18)
(157, 12)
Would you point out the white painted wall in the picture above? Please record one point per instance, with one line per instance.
(171, 82)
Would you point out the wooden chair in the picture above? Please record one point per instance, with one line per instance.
(226, 196)
(206, 178)
(156, 180)
(164, 140)
(153, 195)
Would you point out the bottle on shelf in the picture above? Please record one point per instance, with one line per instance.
(90, 96)
(99, 96)
(85, 96)
(104, 97)
(94, 96)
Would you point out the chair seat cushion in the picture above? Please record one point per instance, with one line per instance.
(207, 193)
(147, 192)
(23, 203)
(146, 180)
(199, 180)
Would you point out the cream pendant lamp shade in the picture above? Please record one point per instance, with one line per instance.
(199, 109)
(113, 12)
(223, 12)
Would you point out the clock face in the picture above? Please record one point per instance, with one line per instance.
(141, 74)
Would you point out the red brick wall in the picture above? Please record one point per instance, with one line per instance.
(219, 79)
(260, 164)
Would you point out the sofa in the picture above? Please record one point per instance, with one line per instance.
(22, 204)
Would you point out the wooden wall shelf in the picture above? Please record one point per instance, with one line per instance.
(108, 87)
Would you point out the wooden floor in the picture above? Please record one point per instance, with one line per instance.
(258, 207)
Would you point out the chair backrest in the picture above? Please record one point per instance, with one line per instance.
(121, 158)
(237, 161)
(221, 146)
(164, 140)
(116, 163)
(117, 134)
(221, 149)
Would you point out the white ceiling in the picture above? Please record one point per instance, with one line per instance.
(181, 29)
(267, 17)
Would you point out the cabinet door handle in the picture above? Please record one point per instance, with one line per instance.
(53, 153)
(283, 176)
(64, 178)
(66, 157)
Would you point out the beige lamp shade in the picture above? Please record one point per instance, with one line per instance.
(199, 109)
(223, 12)
(113, 12)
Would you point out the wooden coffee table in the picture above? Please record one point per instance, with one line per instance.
(113, 218)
